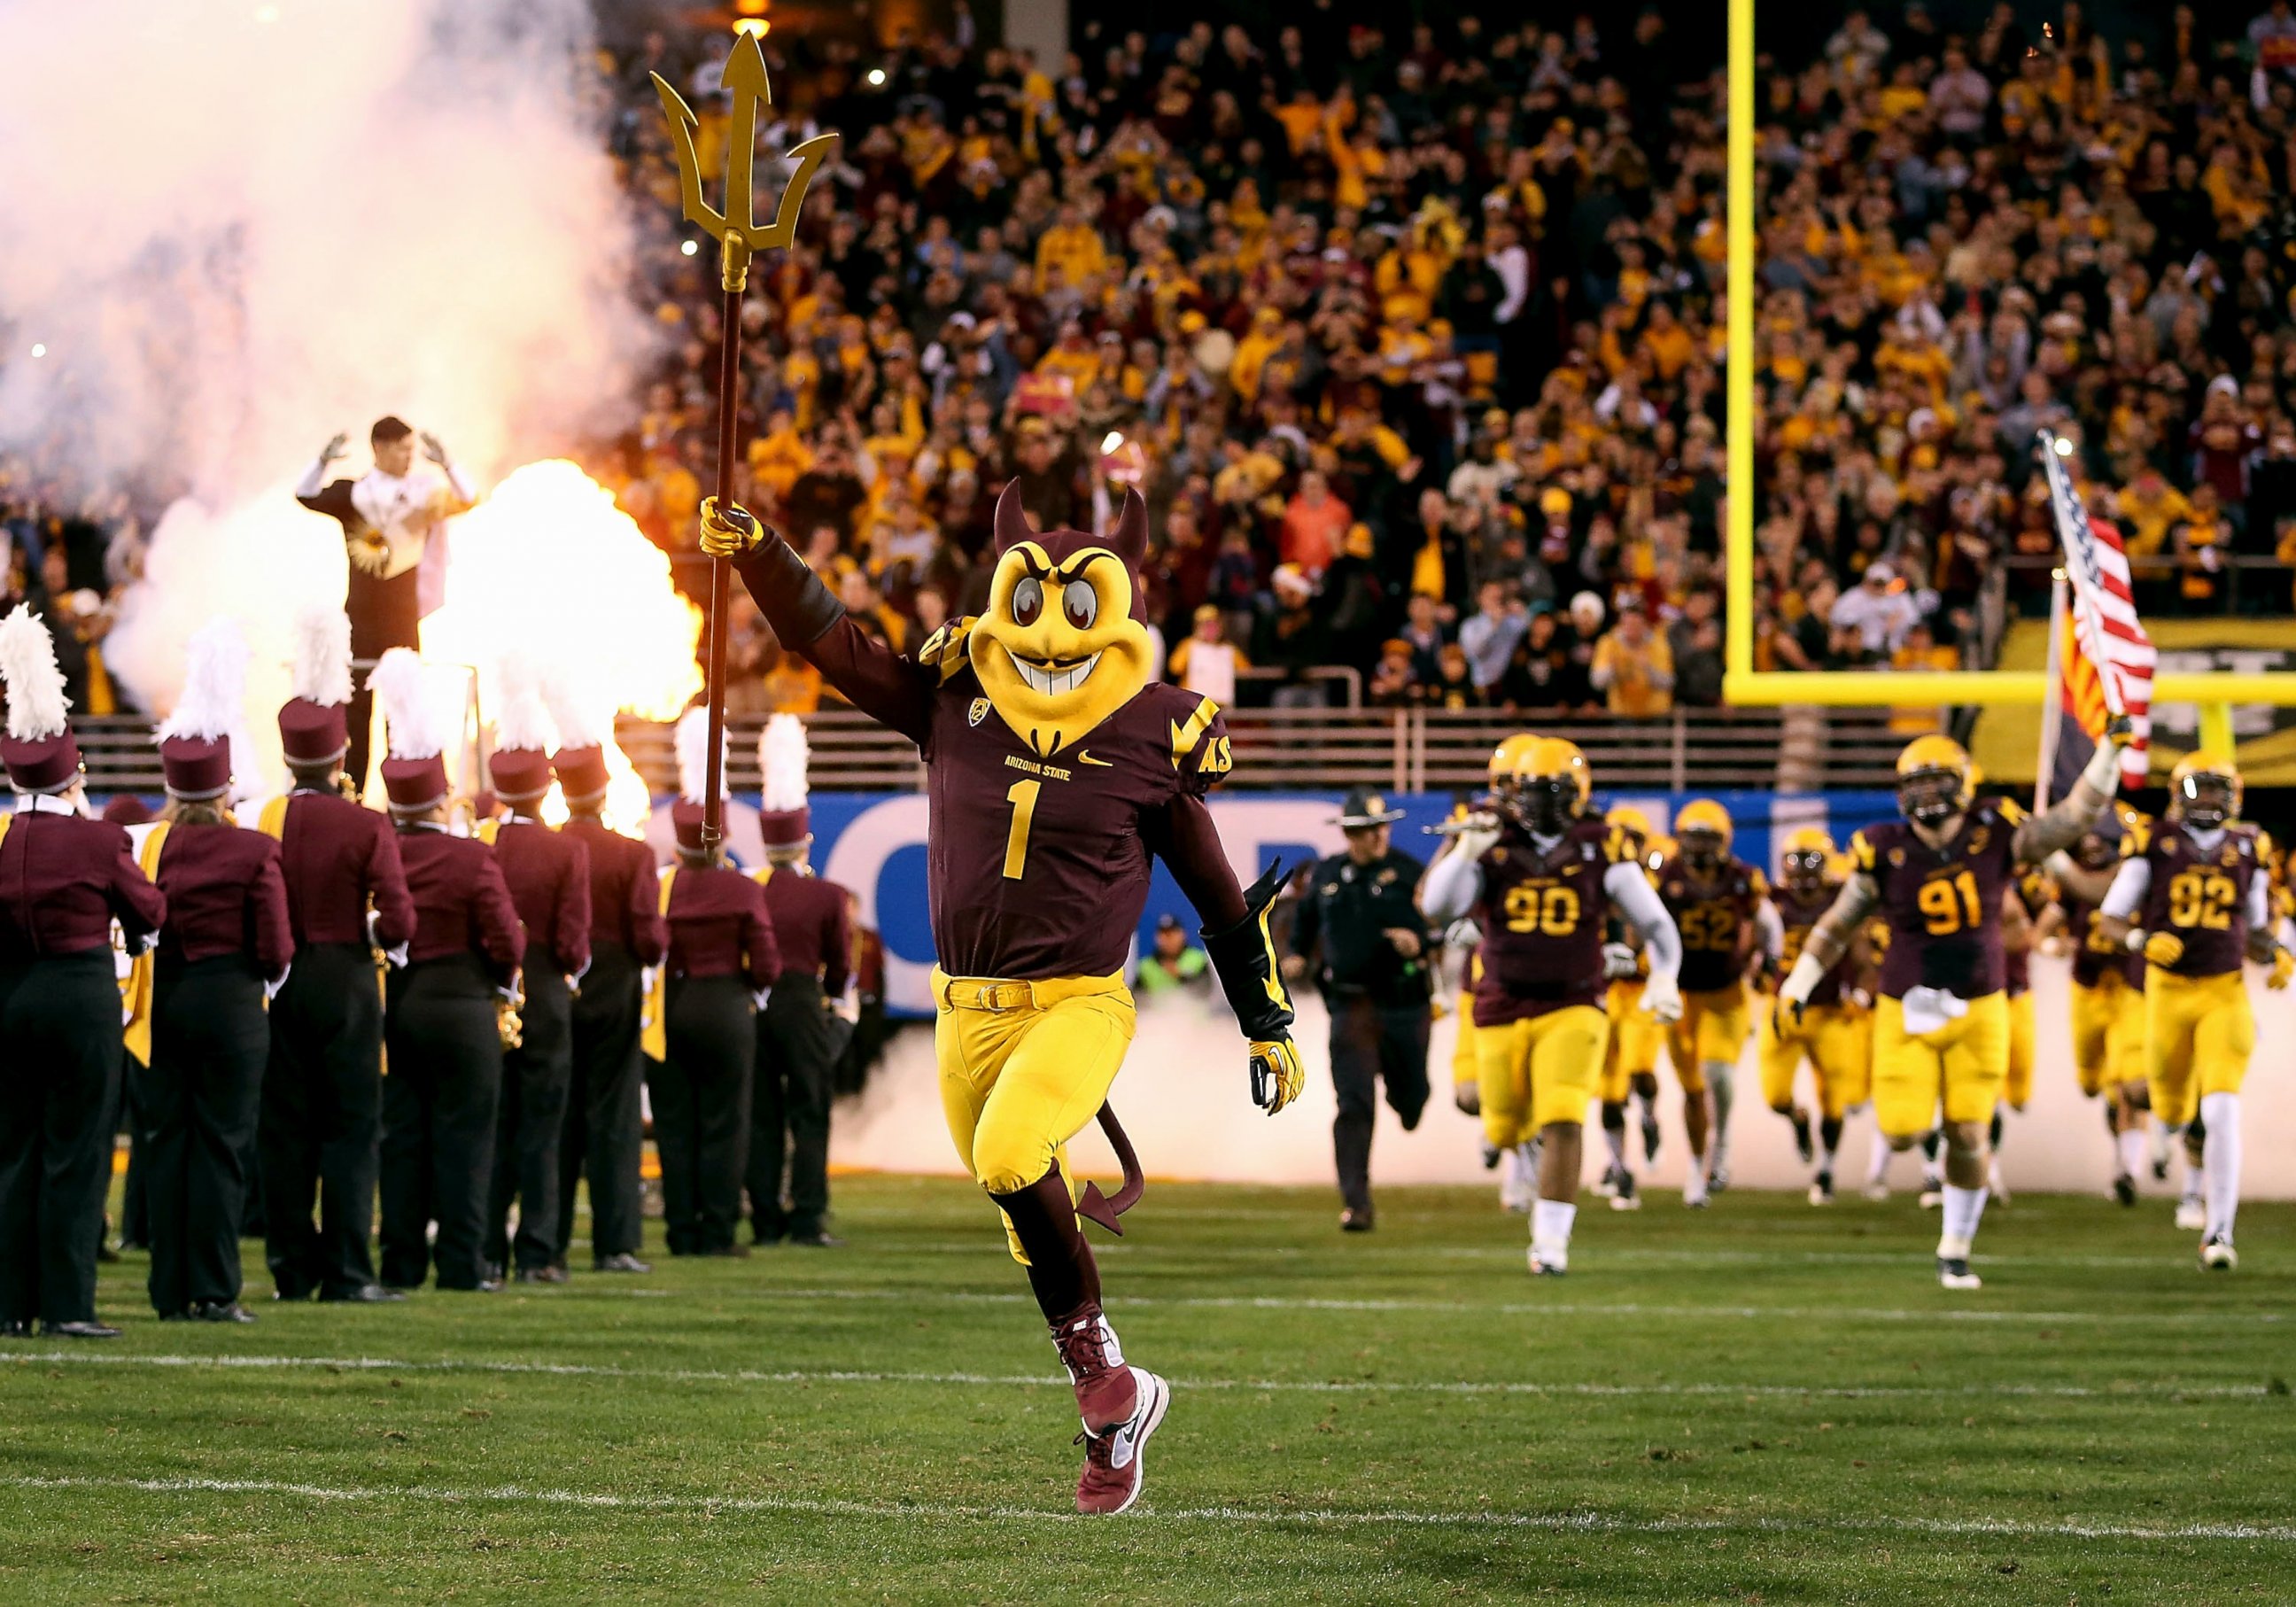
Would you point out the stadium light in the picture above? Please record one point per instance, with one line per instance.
(39, 350)
(876, 77)
(688, 248)
(757, 26)
(1111, 443)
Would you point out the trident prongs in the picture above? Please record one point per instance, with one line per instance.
(737, 228)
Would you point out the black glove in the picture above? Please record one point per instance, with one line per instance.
(1245, 963)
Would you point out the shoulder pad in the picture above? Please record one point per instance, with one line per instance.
(1756, 883)
(2008, 811)
(1215, 758)
(1862, 856)
(944, 650)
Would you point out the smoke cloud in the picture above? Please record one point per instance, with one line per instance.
(238, 228)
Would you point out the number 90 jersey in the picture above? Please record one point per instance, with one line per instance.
(1542, 917)
(1943, 905)
(2201, 897)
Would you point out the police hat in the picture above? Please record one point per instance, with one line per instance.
(1364, 808)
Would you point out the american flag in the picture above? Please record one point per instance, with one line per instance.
(2108, 658)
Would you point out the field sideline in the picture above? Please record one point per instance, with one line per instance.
(1761, 1403)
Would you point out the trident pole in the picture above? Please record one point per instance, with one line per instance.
(739, 236)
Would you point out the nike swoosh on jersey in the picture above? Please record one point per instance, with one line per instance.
(1084, 757)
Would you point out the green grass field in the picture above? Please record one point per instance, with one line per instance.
(1762, 1403)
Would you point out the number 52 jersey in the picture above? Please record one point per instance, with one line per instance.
(1943, 904)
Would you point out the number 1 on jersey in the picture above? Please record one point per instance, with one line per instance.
(1023, 797)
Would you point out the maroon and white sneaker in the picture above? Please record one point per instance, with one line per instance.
(1114, 1468)
(1106, 1392)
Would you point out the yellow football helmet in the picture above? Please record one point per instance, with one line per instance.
(2205, 789)
(1504, 783)
(1808, 854)
(1628, 817)
(1553, 781)
(1934, 778)
(1704, 828)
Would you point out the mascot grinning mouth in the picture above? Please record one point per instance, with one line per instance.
(1054, 680)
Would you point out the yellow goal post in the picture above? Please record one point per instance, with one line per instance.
(1744, 685)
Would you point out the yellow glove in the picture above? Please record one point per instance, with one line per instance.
(2164, 949)
(732, 531)
(1277, 1077)
(2283, 967)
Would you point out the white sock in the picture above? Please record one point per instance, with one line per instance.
(2192, 1174)
(1615, 1140)
(1550, 1228)
(1963, 1207)
(1722, 1078)
(2132, 1151)
(2221, 1165)
(1510, 1169)
(1877, 1164)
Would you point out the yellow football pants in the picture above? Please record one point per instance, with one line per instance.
(1962, 1066)
(1535, 1072)
(1636, 1036)
(2024, 1023)
(1713, 1027)
(1024, 1066)
(1464, 1069)
(1837, 1041)
(2199, 1033)
(2108, 1034)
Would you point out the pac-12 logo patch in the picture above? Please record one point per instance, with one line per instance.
(978, 712)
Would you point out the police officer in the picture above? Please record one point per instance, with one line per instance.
(441, 1027)
(225, 949)
(603, 1121)
(322, 1106)
(798, 1038)
(722, 958)
(549, 879)
(64, 879)
(1367, 943)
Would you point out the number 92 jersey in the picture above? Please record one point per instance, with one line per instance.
(1541, 918)
(1943, 905)
(2201, 897)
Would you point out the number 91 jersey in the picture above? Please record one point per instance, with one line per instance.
(1542, 917)
(2202, 897)
(1943, 905)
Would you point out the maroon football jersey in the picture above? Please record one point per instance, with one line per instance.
(1542, 917)
(1943, 905)
(1038, 868)
(2094, 953)
(1716, 917)
(2032, 892)
(2201, 897)
(1798, 915)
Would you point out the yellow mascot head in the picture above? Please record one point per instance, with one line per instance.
(1064, 641)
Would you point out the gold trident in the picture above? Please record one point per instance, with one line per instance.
(736, 227)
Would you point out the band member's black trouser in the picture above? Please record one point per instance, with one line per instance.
(527, 1128)
(321, 1121)
(1371, 1044)
(603, 1134)
(701, 1111)
(195, 1107)
(438, 1102)
(59, 1064)
(789, 1121)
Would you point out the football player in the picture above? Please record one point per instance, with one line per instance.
(2194, 899)
(1515, 1157)
(1542, 881)
(1836, 1033)
(1721, 906)
(1630, 1062)
(1941, 1023)
(2108, 994)
(2022, 908)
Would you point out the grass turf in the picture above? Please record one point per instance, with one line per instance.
(1759, 1403)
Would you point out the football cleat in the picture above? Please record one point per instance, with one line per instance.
(1694, 1190)
(1106, 1391)
(1802, 1144)
(1821, 1190)
(1549, 1263)
(1876, 1191)
(1607, 1186)
(1491, 1153)
(2124, 1189)
(1932, 1191)
(1626, 1199)
(1952, 1272)
(1354, 1221)
(1717, 1181)
(2216, 1253)
(1113, 1474)
(2192, 1215)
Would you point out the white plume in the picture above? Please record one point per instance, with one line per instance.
(522, 721)
(783, 756)
(213, 704)
(584, 717)
(323, 654)
(398, 679)
(693, 756)
(36, 686)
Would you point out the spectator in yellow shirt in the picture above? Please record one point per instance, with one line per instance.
(1069, 252)
(1634, 668)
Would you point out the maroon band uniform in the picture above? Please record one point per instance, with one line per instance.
(63, 880)
(722, 954)
(798, 1043)
(604, 1122)
(446, 1058)
(549, 881)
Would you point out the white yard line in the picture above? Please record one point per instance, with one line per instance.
(1570, 1523)
(225, 1361)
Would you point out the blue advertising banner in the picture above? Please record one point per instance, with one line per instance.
(873, 843)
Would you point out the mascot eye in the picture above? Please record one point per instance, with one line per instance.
(1027, 599)
(1081, 602)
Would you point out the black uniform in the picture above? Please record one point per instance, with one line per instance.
(1378, 999)
(63, 880)
(797, 1045)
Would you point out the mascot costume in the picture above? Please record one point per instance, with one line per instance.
(1055, 769)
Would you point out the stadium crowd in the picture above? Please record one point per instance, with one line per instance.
(1412, 337)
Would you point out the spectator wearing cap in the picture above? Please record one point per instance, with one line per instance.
(1877, 612)
(1173, 966)
(1359, 930)
(1206, 661)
